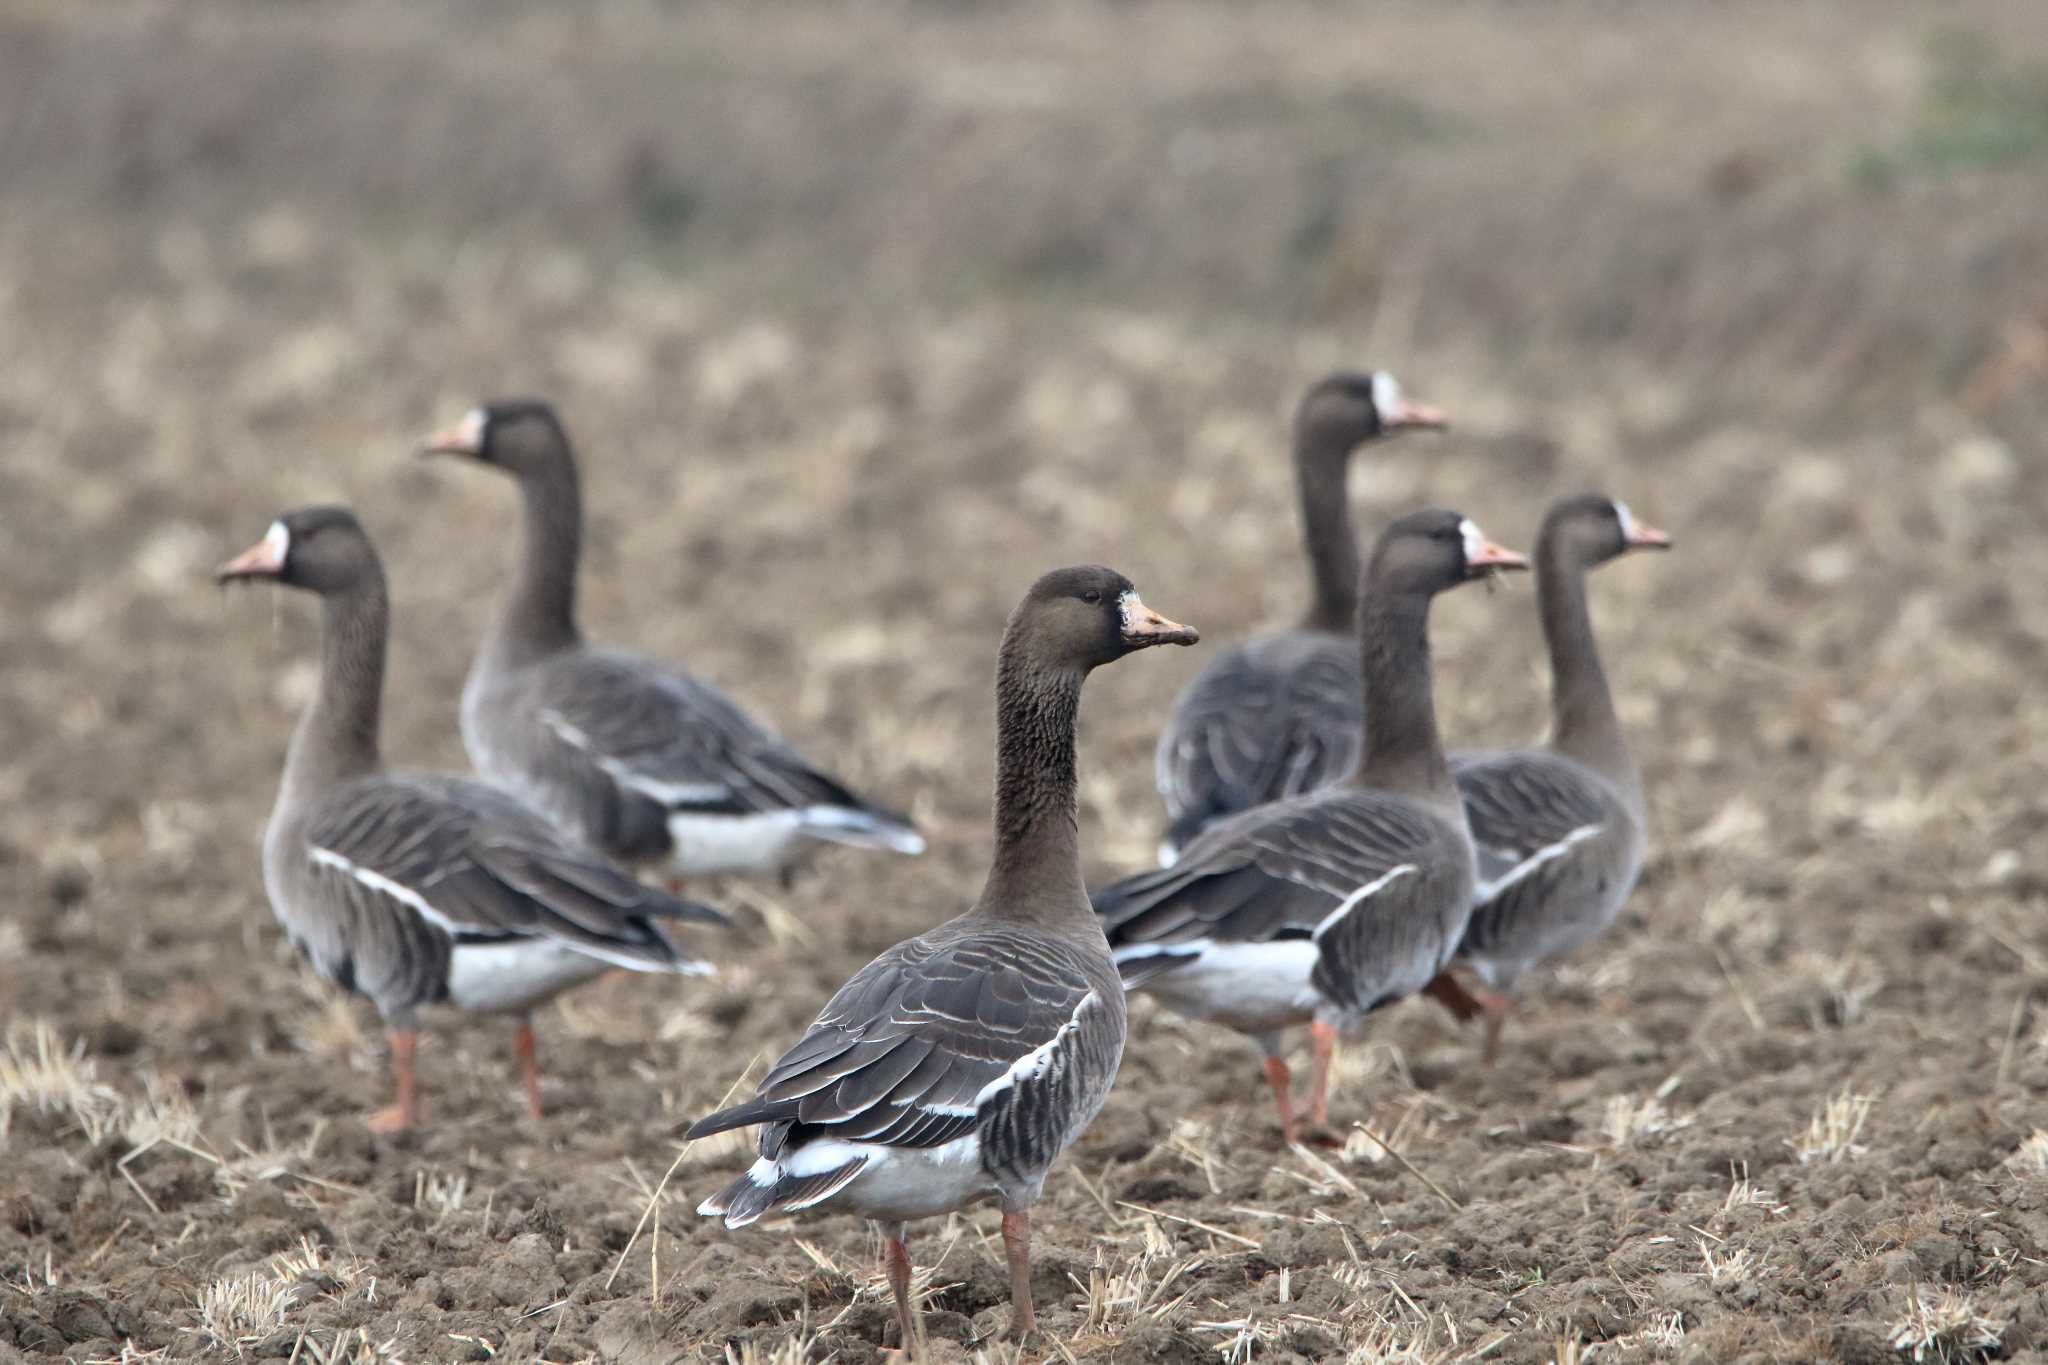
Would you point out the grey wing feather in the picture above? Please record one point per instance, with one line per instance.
(1558, 850)
(1393, 869)
(676, 742)
(480, 866)
(903, 1052)
(1273, 719)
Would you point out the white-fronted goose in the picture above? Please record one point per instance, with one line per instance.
(1278, 716)
(421, 890)
(1560, 831)
(1324, 907)
(636, 758)
(959, 1064)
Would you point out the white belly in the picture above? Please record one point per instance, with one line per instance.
(518, 975)
(1250, 987)
(706, 844)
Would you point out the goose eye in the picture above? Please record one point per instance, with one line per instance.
(1092, 598)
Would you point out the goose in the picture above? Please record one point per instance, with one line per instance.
(1277, 716)
(1323, 907)
(635, 758)
(418, 890)
(1559, 830)
(959, 1065)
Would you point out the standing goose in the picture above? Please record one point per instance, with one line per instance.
(635, 758)
(1321, 908)
(959, 1064)
(1560, 831)
(420, 890)
(1277, 716)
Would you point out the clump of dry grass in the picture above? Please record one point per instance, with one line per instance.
(238, 1311)
(1635, 1122)
(1744, 1195)
(1831, 1134)
(1944, 1326)
(1730, 1267)
(794, 1349)
(2031, 1156)
(39, 1071)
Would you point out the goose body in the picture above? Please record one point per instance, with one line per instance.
(418, 890)
(1324, 907)
(1279, 715)
(633, 757)
(1560, 831)
(958, 1065)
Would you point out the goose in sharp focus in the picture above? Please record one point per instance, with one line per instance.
(637, 759)
(1278, 716)
(1560, 830)
(1323, 907)
(959, 1064)
(422, 890)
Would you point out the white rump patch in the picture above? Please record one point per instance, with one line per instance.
(1486, 891)
(1628, 523)
(1253, 987)
(1363, 893)
(516, 974)
(1040, 1059)
(1386, 397)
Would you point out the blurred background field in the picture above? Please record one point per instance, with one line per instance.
(861, 318)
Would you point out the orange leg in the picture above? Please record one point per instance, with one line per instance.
(1496, 1006)
(1281, 1080)
(1017, 1245)
(399, 1116)
(1324, 1037)
(896, 1264)
(1449, 992)
(529, 1066)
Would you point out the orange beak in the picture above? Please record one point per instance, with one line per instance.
(1492, 556)
(466, 437)
(1144, 626)
(1641, 537)
(264, 559)
(1419, 415)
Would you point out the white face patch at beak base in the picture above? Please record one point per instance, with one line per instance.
(1628, 523)
(1386, 398)
(278, 540)
(1130, 606)
(471, 428)
(1475, 540)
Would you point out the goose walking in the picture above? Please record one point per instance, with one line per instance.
(1278, 716)
(635, 758)
(1559, 830)
(419, 890)
(960, 1064)
(1321, 908)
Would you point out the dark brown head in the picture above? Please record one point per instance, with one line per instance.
(1592, 528)
(323, 550)
(1434, 550)
(1084, 617)
(517, 435)
(1350, 407)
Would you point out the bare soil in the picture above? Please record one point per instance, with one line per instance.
(863, 322)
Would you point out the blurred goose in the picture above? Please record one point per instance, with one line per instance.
(1560, 831)
(1321, 908)
(1277, 716)
(960, 1064)
(419, 890)
(635, 758)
